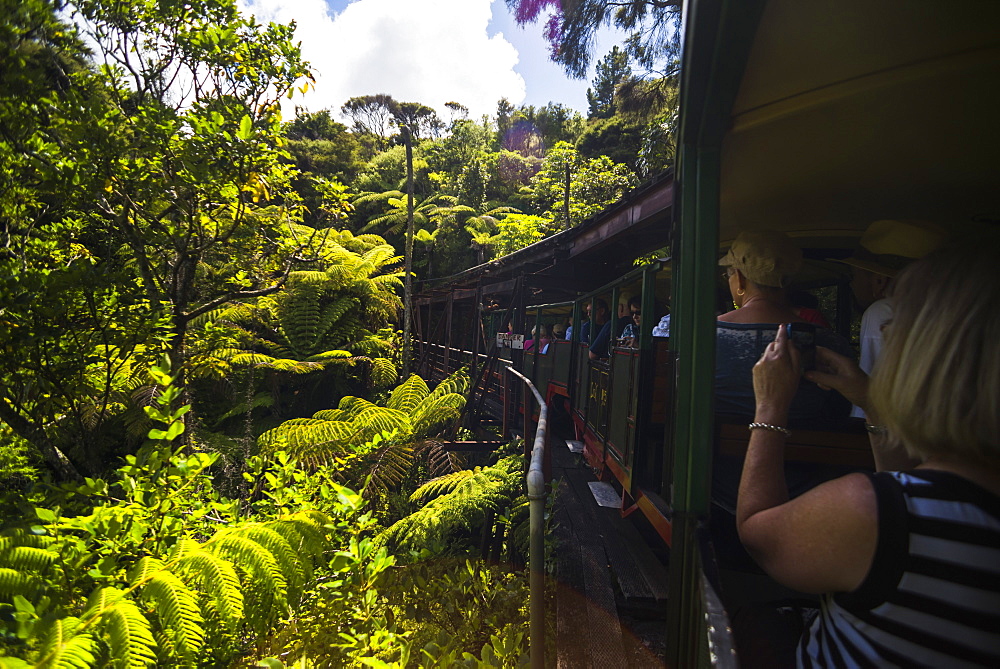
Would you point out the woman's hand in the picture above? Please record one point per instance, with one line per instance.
(776, 378)
(841, 374)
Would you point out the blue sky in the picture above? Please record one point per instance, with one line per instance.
(428, 51)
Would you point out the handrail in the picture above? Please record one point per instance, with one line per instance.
(536, 551)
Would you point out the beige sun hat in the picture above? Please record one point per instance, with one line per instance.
(766, 257)
(889, 245)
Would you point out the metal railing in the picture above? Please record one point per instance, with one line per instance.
(536, 523)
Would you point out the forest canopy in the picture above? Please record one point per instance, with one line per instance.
(200, 354)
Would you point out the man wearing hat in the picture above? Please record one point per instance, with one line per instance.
(886, 247)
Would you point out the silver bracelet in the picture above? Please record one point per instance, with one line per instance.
(880, 430)
(773, 428)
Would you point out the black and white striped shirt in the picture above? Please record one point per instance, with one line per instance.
(932, 596)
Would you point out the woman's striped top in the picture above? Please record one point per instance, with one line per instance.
(932, 596)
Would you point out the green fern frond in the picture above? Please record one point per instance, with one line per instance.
(13, 582)
(144, 569)
(331, 414)
(383, 372)
(433, 414)
(176, 605)
(487, 489)
(375, 419)
(456, 383)
(306, 277)
(442, 485)
(23, 537)
(63, 647)
(334, 355)
(408, 395)
(284, 555)
(303, 532)
(27, 558)
(127, 631)
(268, 582)
(389, 466)
(219, 579)
(352, 406)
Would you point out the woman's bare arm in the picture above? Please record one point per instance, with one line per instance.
(822, 541)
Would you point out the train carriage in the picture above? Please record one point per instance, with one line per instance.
(812, 118)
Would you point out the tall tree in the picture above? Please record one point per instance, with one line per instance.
(177, 186)
(421, 120)
(611, 71)
(572, 28)
(372, 115)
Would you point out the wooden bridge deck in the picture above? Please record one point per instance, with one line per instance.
(611, 588)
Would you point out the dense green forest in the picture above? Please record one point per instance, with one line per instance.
(208, 455)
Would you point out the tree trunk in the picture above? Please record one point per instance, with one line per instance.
(408, 286)
(55, 458)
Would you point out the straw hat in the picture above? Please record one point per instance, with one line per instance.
(889, 245)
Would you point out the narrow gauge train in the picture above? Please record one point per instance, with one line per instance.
(813, 118)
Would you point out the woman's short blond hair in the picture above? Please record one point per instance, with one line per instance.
(936, 384)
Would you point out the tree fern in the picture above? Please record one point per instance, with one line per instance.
(383, 371)
(266, 586)
(284, 556)
(63, 647)
(125, 629)
(442, 485)
(407, 395)
(464, 507)
(219, 580)
(176, 606)
(14, 582)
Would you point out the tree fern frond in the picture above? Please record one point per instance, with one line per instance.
(389, 465)
(432, 415)
(176, 606)
(442, 485)
(23, 537)
(127, 631)
(457, 383)
(267, 580)
(144, 569)
(374, 419)
(27, 558)
(304, 532)
(331, 414)
(311, 276)
(13, 582)
(284, 555)
(487, 489)
(439, 461)
(383, 372)
(63, 647)
(218, 578)
(352, 406)
(334, 355)
(408, 395)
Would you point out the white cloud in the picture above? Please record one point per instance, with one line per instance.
(427, 51)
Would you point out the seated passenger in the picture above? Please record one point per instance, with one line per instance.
(600, 346)
(758, 267)
(625, 306)
(907, 559)
(558, 332)
(885, 248)
(630, 335)
(662, 329)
